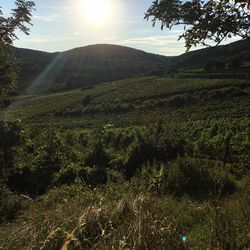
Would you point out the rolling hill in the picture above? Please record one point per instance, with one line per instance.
(42, 72)
(199, 58)
(90, 65)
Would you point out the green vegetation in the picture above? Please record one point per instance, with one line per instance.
(19, 19)
(132, 164)
(203, 21)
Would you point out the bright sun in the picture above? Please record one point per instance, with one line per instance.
(97, 11)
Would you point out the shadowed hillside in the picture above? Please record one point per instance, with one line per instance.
(90, 65)
(82, 66)
(199, 58)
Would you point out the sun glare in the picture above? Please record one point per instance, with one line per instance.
(97, 11)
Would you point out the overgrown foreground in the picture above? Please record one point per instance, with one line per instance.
(125, 217)
(137, 164)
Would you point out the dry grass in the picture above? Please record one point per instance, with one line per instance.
(78, 218)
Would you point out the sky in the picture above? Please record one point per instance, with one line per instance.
(60, 25)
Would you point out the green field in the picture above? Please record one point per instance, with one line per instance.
(132, 164)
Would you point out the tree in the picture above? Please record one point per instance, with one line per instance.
(10, 132)
(10, 137)
(21, 16)
(19, 19)
(203, 20)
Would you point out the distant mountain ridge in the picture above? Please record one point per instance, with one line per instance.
(93, 64)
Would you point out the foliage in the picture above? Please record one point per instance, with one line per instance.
(8, 73)
(203, 20)
(198, 179)
(10, 204)
(21, 16)
(10, 138)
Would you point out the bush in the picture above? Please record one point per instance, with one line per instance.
(67, 175)
(10, 138)
(35, 176)
(10, 204)
(198, 179)
(97, 156)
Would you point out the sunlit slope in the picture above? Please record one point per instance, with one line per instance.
(134, 101)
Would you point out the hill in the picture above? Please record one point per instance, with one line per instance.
(199, 58)
(79, 67)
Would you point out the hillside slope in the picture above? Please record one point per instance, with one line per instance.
(200, 57)
(42, 72)
(80, 67)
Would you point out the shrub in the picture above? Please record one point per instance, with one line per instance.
(138, 154)
(97, 156)
(10, 204)
(67, 175)
(35, 177)
(198, 179)
(10, 138)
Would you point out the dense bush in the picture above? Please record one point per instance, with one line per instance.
(10, 138)
(198, 178)
(67, 175)
(10, 204)
(34, 176)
